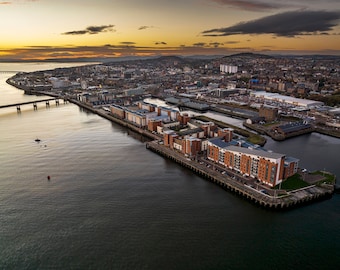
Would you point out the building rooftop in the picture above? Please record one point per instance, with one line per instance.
(255, 152)
(291, 159)
(189, 131)
(287, 99)
(244, 147)
(292, 127)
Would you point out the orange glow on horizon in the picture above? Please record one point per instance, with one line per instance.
(101, 28)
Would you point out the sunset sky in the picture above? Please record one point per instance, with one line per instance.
(47, 29)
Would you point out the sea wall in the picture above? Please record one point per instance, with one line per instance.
(292, 199)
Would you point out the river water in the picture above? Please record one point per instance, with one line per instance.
(112, 204)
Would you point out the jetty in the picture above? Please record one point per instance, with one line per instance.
(288, 200)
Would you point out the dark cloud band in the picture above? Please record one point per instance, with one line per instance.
(92, 30)
(287, 24)
(249, 4)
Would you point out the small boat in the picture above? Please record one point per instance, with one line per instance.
(37, 140)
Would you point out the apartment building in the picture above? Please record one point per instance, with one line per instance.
(267, 167)
(228, 68)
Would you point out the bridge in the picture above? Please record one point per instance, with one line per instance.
(8, 71)
(34, 102)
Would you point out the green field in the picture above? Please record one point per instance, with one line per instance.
(293, 182)
(328, 177)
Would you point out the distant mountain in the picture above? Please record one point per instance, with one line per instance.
(249, 55)
(175, 58)
(171, 58)
(162, 60)
(311, 56)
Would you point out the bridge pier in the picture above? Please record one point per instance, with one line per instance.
(33, 102)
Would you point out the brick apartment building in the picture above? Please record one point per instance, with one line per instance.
(267, 167)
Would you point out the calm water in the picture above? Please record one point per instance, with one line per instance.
(112, 204)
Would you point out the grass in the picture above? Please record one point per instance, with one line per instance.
(328, 177)
(293, 182)
(256, 139)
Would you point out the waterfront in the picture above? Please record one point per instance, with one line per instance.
(112, 204)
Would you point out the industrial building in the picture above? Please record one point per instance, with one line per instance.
(297, 102)
(291, 128)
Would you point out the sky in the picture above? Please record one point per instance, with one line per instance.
(51, 29)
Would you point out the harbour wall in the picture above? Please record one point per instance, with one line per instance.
(292, 199)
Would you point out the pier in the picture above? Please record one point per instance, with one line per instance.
(290, 200)
(35, 107)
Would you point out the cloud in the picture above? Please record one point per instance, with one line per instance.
(266, 5)
(92, 30)
(249, 4)
(144, 27)
(231, 42)
(16, 2)
(33, 53)
(215, 44)
(199, 44)
(127, 43)
(287, 24)
(212, 44)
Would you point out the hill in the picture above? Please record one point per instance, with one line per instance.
(249, 55)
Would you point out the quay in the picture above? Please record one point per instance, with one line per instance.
(116, 120)
(278, 201)
(291, 199)
(286, 201)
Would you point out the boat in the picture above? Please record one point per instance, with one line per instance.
(37, 140)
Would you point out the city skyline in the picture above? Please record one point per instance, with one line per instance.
(45, 29)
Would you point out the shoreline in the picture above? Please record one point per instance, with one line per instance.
(293, 198)
(317, 129)
(296, 134)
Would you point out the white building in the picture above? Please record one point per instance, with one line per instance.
(298, 102)
(59, 82)
(228, 69)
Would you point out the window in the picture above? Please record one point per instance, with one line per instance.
(266, 172)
